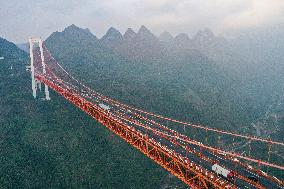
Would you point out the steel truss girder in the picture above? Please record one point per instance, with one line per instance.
(189, 172)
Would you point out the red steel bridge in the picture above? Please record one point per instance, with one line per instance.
(188, 151)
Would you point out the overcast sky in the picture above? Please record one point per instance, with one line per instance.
(23, 18)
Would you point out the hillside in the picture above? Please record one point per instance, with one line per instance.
(175, 81)
(185, 85)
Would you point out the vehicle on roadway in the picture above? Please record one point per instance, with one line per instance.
(105, 107)
(253, 178)
(229, 175)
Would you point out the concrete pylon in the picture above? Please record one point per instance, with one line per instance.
(32, 42)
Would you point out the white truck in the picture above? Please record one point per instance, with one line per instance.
(105, 107)
(223, 172)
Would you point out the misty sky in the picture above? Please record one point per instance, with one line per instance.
(23, 18)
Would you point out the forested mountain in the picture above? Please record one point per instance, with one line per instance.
(182, 84)
(9, 50)
(264, 68)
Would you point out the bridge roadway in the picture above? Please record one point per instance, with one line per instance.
(125, 115)
(129, 118)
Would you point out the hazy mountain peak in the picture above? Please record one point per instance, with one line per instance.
(182, 37)
(72, 27)
(143, 29)
(145, 34)
(76, 31)
(72, 34)
(112, 34)
(205, 35)
(166, 37)
(129, 34)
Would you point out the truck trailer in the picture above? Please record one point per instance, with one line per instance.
(229, 175)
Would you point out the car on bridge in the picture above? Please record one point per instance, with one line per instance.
(253, 178)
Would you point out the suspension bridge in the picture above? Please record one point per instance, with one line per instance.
(200, 156)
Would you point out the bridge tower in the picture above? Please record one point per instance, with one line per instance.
(35, 83)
